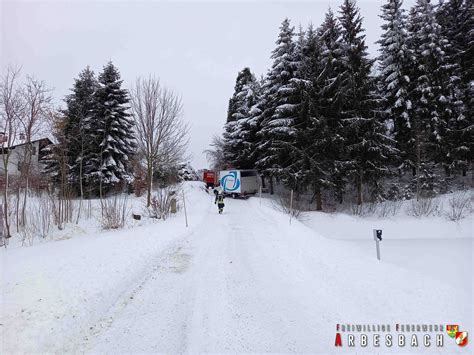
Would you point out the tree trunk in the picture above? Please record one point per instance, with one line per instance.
(5, 203)
(418, 163)
(149, 183)
(81, 188)
(23, 210)
(359, 189)
(319, 202)
(271, 185)
(17, 208)
(447, 171)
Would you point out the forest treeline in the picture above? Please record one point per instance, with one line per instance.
(327, 117)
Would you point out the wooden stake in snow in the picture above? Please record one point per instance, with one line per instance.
(378, 239)
(185, 213)
(1, 223)
(291, 205)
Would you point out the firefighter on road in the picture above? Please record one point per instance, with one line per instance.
(219, 200)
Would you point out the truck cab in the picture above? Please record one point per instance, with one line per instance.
(209, 178)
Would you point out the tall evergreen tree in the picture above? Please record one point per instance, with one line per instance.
(280, 108)
(80, 108)
(467, 65)
(110, 132)
(329, 101)
(455, 21)
(237, 129)
(254, 141)
(249, 127)
(394, 80)
(310, 162)
(429, 94)
(297, 172)
(364, 134)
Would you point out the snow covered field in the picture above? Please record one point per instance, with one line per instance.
(246, 281)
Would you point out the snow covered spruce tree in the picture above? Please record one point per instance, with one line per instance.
(367, 146)
(249, 126)
(110, 133)
(467, 65)
(432, 101)
(77, 116)
(280, 108)
(298, 172)
(327, 128)
(309, 165)
(394, 81)
(238, 130)
(456, 18)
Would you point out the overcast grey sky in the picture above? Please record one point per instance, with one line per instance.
(195, 47)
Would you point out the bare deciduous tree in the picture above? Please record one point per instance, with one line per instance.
(11, 106)
(162, 134)
(37, 106)
(215, 155)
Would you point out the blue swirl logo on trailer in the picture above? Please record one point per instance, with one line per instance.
(232, 175)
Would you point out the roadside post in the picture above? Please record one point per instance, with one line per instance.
(1, 221)
(3, 240)
(291, 205)
(378, 239)
(185, 213)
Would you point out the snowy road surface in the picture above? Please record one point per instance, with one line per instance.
(244, 281)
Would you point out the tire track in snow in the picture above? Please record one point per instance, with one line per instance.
(163, 261)
(168, 268)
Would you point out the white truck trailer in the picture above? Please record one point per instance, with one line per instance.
(239, 183)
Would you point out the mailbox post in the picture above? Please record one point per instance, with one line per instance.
(378, 239)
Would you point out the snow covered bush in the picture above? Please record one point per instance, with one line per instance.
(37, 223)
(43, 212)
(28, 233)
(355, 209)
(63, 209)
(283, 204)
(389, 208)
(363, 210)
(114, 211)
(423, 207)
(459, 205)
(160, 206)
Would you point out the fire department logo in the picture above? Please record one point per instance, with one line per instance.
(451, 330)
(461, 338)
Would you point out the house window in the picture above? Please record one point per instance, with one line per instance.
(22, 136)
(33, 150)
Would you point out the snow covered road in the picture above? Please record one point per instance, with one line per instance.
(244, 281)
(222, 289)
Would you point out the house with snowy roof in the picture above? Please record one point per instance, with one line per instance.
(17, 149)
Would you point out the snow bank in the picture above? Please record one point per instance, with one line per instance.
(52, 292)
